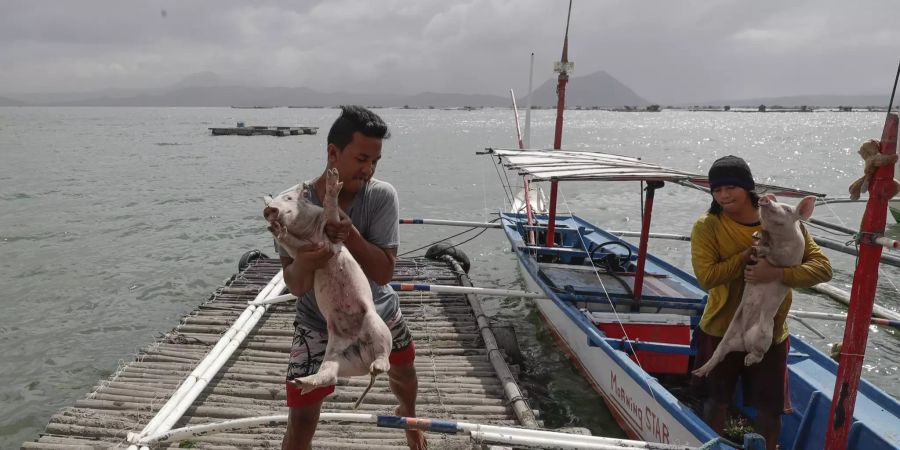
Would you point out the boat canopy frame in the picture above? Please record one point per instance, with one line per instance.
(570, 165)
(577, 165)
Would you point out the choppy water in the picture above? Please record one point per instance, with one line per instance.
(114, 222)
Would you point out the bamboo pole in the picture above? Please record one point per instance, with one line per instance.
(844, 297)
(843, 318)
(510, 386)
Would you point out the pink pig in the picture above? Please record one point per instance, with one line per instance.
(359, 341)
(782, 244)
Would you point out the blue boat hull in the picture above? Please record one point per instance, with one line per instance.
(644, 408)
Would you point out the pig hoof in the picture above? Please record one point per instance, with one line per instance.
(752, 358)
(332, 182)
(308, 384)
(379, 366)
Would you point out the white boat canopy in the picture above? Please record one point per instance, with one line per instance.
(569, 165)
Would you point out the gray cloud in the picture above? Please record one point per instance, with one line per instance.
(667, 51)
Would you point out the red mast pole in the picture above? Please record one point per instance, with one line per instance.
(652, 186)
(563, 68)
(862, 295)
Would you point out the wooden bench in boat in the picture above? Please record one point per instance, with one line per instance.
(586, 279)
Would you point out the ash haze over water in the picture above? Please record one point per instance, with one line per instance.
(118, 221)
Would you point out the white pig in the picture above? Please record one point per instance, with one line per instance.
(359, 341)
(781, 243)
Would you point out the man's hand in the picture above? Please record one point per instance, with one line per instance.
(314, 256)
(762, 272)
(299, 273)
(340, 231)
(747, 255)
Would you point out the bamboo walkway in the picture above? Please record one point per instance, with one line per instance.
(458, 374)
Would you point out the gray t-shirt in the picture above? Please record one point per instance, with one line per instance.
(375, 212)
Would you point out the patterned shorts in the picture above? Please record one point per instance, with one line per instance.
(308, 350)
(764, 384)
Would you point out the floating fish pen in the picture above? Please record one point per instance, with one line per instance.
(241, 130)
(462, 373)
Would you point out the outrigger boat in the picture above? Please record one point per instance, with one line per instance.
(626, 317)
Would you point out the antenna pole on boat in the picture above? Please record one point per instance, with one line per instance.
(563, 67)
(893, 91)
(529, 214)
(528, 105)
(862, 295)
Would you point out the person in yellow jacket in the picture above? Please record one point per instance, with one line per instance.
(720, 253)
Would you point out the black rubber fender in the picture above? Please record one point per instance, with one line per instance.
(249, 257)
(440, 249)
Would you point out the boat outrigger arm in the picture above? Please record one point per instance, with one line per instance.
(568, 165)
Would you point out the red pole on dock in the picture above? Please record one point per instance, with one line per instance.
(862, 295)
(563, 68)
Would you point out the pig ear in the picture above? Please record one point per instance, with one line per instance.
(806, 206)
(771, 197)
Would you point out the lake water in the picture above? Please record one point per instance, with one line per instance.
(118, 221)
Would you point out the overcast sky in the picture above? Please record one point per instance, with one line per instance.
(666, 50)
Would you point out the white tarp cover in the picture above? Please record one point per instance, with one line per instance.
(569, 165)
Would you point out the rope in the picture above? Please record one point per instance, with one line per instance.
(426, 323)
(609, 300)
(709, 444)
(508, 193)
(882, 274)
(825, 229)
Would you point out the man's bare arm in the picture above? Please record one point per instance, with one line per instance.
(376, 262)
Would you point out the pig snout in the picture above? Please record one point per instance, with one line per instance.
(270, 213)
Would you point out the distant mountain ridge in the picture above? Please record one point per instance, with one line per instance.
(598, 89)
(4, 101)
(209, 89)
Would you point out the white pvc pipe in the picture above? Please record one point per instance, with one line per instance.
(887, 242)
(554, 436)
(491, 433)
(212, 370)
(213, 428)
(454, 223)
(408, 287)
(556, 442)
(275, 299)
(194, 384)
(676, 237)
